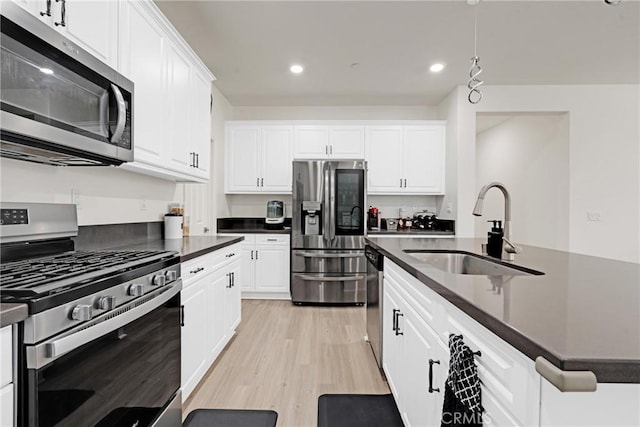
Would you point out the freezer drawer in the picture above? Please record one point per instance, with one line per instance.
(328, 261)
(328, 288)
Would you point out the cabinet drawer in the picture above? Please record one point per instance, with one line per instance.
(508, 376)
(272, 239)
(193, 269)
(6, 358)
(423, 300)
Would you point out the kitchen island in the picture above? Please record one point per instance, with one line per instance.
(582, 316)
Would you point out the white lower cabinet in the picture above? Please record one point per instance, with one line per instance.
(6, 406)
(265, 266)
(510, 385)
(211, 311)
(7, 390)
(416, 327)
(413, 360)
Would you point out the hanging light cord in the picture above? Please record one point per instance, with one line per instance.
(474, 82)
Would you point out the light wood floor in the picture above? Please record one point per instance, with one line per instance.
(284, 356)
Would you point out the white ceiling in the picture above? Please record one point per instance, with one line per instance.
(249, 46)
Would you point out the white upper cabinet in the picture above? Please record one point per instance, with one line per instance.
(406, 159)
(172, 98)
(92, 25)
(259, 159)
(312, 142)
(384, 158)
(142, 60)
(326, 142)
(178, 91)
(424, 159)
(244, 159)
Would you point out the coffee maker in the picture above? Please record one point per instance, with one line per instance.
(275, 215)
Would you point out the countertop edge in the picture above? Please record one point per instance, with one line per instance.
(11, 313)
(252, 231)
(215, 247)
(605, 370)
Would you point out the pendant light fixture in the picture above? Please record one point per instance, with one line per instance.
(475, 70)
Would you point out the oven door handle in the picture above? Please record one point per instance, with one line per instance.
(327, 278)
(339, 255)
(47, 352)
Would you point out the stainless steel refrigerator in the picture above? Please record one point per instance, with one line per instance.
(328, 226)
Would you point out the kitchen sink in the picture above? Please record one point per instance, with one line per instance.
(459, 262)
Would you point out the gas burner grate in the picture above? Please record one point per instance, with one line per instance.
(29, 276)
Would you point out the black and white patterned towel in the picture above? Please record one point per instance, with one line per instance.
(463, 374)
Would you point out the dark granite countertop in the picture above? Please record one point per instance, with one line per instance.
(12, 313)
(582, 314)
(189, 247)
(243, 225)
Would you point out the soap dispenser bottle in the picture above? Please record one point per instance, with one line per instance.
(494, 239)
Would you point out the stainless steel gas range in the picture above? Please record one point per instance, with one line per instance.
(101, 345)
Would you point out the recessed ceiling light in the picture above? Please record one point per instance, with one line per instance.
(46, 70)
(296, 69)
(436, 68)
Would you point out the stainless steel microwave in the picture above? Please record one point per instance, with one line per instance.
(59, 104)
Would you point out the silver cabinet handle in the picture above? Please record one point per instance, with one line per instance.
(63, 14)
(251, 254)
(566, 380)
(122, 111)
(48, 11)
(331, 149)
(328, 278)
(261, 182)
(405, 183)
(256, 254)
(326, 149)
(272, 240)
(257, 182)
(317, 255)
(400, 182)
(229, 281)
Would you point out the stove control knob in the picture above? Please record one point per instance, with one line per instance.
(81, 312)
(107, 302)
(171, 275)
(136, 290)
(159, 280)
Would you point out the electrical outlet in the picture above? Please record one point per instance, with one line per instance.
(449, 208)
(594, 216)
(76, 198)
(143, 203)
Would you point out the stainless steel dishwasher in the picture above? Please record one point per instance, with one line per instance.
(375, 263)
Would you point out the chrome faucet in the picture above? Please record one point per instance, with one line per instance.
(508, 249)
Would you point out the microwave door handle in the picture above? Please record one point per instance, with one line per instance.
(122, 114)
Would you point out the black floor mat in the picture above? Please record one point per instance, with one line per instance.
(358, 410)
(230, 418)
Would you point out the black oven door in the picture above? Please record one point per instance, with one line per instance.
(126, 377)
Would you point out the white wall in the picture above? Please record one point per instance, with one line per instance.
(530, 155)
(108, 195)
(604, 149)
(336, 113)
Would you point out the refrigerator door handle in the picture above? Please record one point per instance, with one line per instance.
(326, 214)
(320, 255)
(327, 278)
(332, 204)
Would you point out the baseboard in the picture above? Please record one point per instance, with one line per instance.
(266, 295)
